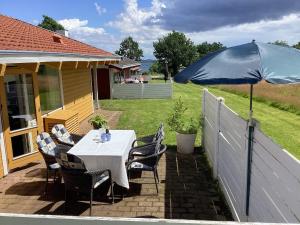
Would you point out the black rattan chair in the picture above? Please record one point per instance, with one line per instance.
(148, 162)
(49, 149)
(77, 178)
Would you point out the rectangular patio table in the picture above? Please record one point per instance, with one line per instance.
(110, 155)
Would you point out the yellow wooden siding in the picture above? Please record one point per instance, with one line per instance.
(1, 165)
(78, 92)
(66, 117)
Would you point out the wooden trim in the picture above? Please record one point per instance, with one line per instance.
(5, 120)
(107, 62)
(83, 65)
(56, 65)
(69, 65)
(2, 69)
(37, 102)
(22, 131)
(33, 67)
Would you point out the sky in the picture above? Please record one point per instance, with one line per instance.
(105, 23)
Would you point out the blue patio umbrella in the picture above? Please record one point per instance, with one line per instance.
(245, 64)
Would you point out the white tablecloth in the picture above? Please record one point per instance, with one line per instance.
(109, 155)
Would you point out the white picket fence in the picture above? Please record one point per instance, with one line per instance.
(275, 174)
(141, 91)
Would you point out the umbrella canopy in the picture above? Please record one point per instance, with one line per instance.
(245, 64)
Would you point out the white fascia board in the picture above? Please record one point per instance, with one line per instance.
(7, 57)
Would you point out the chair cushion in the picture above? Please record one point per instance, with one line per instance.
(54, 166)
(139, 166)
(46, 144)
(62, 134)
(103, 178)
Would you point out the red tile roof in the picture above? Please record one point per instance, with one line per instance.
(17, 35)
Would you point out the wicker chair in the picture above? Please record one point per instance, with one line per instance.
(63, 136)
(77, 178)
(148, 162)
(49, 149)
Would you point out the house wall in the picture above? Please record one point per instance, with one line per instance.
(77, 91)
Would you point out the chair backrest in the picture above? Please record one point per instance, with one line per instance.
(62, 135)
(69, 161)
(46, 144)
(73, 172)
(47, 148)
(160, 133)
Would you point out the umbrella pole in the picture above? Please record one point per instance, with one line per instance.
(250, 149)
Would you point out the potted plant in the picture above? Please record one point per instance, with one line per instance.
(186, 129)
(98, 122)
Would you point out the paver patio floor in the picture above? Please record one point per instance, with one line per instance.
(185, 192)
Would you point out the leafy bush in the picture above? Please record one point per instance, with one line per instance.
(177, 122)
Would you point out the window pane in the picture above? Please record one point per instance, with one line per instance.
(49, 89)
(20, 101)
(22, 144)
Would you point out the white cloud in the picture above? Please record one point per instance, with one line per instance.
(287, 28)
(96, 36)
(100, 10)
(140, 23)
(74, 23)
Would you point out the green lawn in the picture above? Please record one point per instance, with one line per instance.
(145, 115)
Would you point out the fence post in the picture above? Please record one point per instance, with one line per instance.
(252, 125)
(203, 118)
(220, 100)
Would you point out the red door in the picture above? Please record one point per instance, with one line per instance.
(103, 83)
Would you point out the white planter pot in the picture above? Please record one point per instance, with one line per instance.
(185, 143)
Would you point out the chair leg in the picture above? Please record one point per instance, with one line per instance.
(91, 201)
(112, 191)
(65, 205)
(155, 182)
(54, 179)
(157, 175)
(46, 187)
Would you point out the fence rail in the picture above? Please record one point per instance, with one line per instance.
(140, 91)
(275, 174)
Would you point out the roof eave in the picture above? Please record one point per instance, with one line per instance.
(125, 66)
(11, 56)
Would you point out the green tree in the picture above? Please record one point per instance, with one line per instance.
(175, 49)
(50, 24)
(130, 49)
(281, 43)
(205, 48)
(297, 45)
(156, 67)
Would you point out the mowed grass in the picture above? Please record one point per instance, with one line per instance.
(145, 115)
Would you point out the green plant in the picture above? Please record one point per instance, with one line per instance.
(177, 122)
(98, 122)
